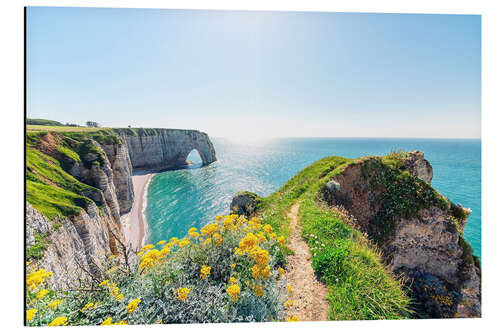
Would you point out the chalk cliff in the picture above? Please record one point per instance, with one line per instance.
(158, 149)
(92, 174)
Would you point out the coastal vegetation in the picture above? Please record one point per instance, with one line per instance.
(229, 271)
(360, 287)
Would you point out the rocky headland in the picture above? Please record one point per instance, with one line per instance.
(418, 232)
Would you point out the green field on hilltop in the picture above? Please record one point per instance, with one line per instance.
(45, 128)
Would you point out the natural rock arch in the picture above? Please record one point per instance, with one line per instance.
(167, 148)
(194, 157)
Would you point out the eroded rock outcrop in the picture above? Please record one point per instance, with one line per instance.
(419, 232)
(244, 203)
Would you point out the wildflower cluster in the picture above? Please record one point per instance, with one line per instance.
(227, 271)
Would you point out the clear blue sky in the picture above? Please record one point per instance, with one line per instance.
(257, 74)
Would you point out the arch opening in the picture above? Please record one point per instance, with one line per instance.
(193, 159)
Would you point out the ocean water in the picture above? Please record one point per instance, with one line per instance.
(180, 199)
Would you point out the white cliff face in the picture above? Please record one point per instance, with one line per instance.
(168, 148)
(121, 167)
(75, 246)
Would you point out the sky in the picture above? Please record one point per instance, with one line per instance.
(249, 74)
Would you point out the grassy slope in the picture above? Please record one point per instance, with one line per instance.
(49, 187)
(359, 285)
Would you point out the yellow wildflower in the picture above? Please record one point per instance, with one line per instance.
(209, 229)
(233, 265)
(111, 257)
(103, 283)
(184, 242)
(182, 293)
(262, 237)
(289, 288)
(140, 253)
(59, 321)
(218, 218)
(288, 303)
(259, 291)
(227, 223)
(207, 241)
(233, 290)
(248, 242)
(218, 239)
(268, 228)
(148, 247)
(119, 297)
(273, 235)
(281, 240)
(261, 256)
(173, 241)
(132, 306)
(261, 272)
(27, 263)
(108, 321)
(42, 293)
(238, 251)
(161, 242)
(282, 271)
(113, 289)
(34, 279)
(30, 314)
(292, 318)
(149, 259)
(88, 306)
(232, 280)
(164, 251)
(53, 305)
(205, 271)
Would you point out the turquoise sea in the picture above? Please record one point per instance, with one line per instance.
(180, 199)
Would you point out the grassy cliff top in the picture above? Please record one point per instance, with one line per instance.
(50, 188)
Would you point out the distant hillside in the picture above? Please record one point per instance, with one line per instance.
(45, 122)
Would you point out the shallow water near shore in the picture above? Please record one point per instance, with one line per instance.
(180, 199)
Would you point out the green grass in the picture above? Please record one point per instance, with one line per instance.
(51, 201)
(359, 285)
(49, 188)
(69, 153)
